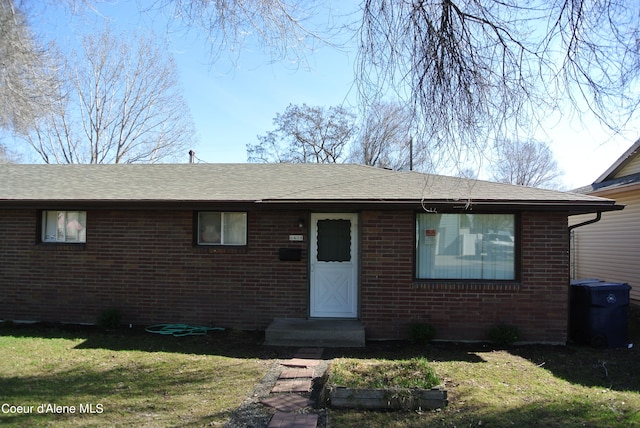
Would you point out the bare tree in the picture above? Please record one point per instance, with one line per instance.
(526, 163)
(7, 155)
(122, 105)
(28, 74)
(306, 134)
(386, 141)
(477, 70)
(285, 28)
(467, 172)
(472, 71)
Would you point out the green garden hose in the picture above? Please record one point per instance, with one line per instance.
(179, 330)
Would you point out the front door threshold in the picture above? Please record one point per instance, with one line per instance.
(328, 333)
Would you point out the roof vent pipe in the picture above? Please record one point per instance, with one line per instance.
(192, 156)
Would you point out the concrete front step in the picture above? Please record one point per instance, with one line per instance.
(315, 332)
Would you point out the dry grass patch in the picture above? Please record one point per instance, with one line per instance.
(371, 374)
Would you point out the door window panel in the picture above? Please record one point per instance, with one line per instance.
(334, 240)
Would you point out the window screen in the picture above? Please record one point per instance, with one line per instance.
(334, 240)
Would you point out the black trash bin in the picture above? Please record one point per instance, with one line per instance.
(599, 313)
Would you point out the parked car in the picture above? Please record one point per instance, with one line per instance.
(493, 243)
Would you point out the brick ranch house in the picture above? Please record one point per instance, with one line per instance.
(239, 245)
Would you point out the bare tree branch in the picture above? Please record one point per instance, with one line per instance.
(477, 70)
(122, 105)
(28, 74)
(471, 71)
(525, 163)
(285, 28)
(386, 141)
(7, 155)
(306, 134)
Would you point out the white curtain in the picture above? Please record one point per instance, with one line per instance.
(225, 228)
(234, 228)
(64, 226)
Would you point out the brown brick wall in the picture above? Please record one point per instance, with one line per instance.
(144, 263)
(537, 304)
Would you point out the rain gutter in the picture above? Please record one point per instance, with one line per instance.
(584, 223)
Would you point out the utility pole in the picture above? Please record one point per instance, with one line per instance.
(411, 154)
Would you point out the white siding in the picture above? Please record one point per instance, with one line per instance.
(610, 249)
(633, 167)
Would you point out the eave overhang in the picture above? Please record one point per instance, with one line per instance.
(572, 208)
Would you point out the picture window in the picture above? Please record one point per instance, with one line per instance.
(466, 246)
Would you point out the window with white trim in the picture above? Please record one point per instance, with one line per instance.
(465, 246)
(222, 228)
(64, 226)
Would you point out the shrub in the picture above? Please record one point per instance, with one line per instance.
(109, 319)
(421, 333)
(503, 334)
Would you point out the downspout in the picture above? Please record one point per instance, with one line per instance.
(572, 268)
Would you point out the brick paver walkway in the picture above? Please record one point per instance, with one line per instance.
(297, 373)
(296, 377)
(294, 420)
(292, 385)
(301, 362)
(287, 402)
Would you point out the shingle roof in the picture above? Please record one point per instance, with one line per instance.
(265, 183)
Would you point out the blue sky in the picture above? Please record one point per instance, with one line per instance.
(236, 98)
(230, 107)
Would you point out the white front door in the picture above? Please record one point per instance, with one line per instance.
(334, 265)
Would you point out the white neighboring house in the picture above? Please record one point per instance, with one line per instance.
(610, 248)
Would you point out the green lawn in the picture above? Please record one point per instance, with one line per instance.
(89, 378)
(529, 386)
(545, 386)
(84, 377)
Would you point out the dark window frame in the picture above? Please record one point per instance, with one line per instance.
(40, 219)
(517, 252)
(221, 245)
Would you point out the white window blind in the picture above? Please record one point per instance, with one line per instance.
(465, 246)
